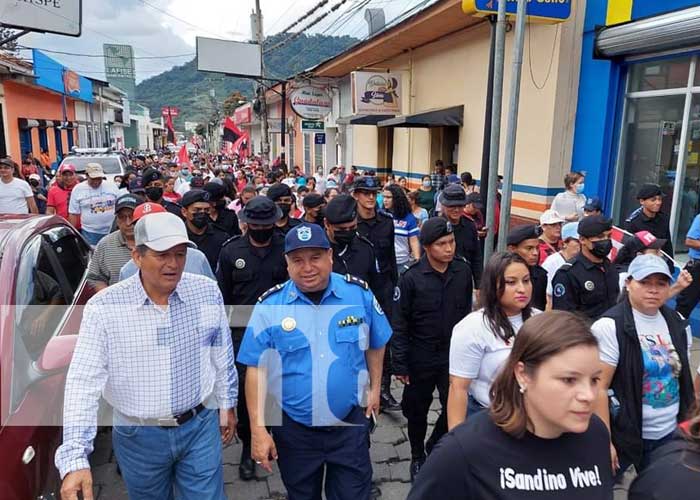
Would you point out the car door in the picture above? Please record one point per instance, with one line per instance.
(49, 288)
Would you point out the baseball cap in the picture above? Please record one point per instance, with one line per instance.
(569, 231)
(161, 232)
(313, 200)
(150, 175)
(453, 196)
(363, 183)
(35, 177)
(649, 191)
(433, 229)
(645, 265)
(136, 185)
(127, 201)
(341, 209)
(146, 209)
(277, 191)
(648, 240)
(215, 189)
(305, 236)
(94, 171)
(593, 204)
(550, 217)
(66, 167)
(593, 225)
(260, 210)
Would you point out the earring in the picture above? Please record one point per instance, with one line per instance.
(522, 390)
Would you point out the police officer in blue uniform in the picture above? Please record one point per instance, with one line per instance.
(281, 194)
(589, 284)
(320, 338)
(248, 266)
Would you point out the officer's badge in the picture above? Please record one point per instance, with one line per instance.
(589, 285)
(289, 324)
(304, 233)
(559, 290)
(350, 321)
(240, 263)
(397, 293)
(377, 307)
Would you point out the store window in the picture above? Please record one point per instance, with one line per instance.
(308, 140)
(25, 141)
(290, 150)
(59, 143)
(43, 139)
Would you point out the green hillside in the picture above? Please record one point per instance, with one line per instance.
(185, 87)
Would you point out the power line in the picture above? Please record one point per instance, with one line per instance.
(165, 12)
(306, 15)
(24, 47)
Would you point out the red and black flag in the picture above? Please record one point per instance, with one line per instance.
(170, 127)
(231, 132)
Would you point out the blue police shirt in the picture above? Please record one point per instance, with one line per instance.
(315, 353)
(694, 234)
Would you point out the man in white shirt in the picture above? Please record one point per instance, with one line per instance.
(92, 203)
(16, 196)
(570, 249)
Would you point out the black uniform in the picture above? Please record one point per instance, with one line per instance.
(585, 287)
(291, 223)
(427, 307)
(538, 276)
(209, 243)
(227, 221)
(380, 232)
(358, 259)
(173, 208)
(244, 273)
(468, 246)
(657, 225)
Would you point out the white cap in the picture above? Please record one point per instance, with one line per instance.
(161, 231)
(551, 217)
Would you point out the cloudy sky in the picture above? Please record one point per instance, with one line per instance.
(157, 28)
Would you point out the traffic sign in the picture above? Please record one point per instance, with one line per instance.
(312, 126)
(550, 11)
(320, 138)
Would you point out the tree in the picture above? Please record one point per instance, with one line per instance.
(232, 102)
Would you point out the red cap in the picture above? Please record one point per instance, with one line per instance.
(146, 209)
(649, 240)
(66, 167)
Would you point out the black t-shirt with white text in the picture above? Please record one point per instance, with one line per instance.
(479, 461)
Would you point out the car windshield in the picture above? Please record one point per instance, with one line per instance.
(110, 165)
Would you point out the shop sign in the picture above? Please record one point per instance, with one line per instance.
(170, 110)
(243, 115)
(320, 139)
(550, 11)
(376, 93)
(53, 75)
(312, 103)
(311, 126)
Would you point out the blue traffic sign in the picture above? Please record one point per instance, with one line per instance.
(546, 10)
(319, 138)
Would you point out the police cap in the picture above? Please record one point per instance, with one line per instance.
(365, 183)
(277, 191)
(195, 196)
(453, 196)
(216, 190)
(150, 175)
(306, 236)
(524, 232)
(649, 191)
(433, 229)
(260, 210)
(341, 209)
(593, 225)
(313, 200)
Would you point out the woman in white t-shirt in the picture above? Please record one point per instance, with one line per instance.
(570, 203)
(482, 341)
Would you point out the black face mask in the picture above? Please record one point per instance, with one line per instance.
(261, 235)
(200, 220)
(602, 248)
(154, 193)
(344, 236)
(286, 208)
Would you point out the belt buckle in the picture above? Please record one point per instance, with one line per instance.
(168, 422)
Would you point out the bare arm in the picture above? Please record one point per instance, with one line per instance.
(74, 219)
(375, 363)
(50, 211)
(415, 247)
(691, 243)
(31, 203)
(457, 401)
(263, 446)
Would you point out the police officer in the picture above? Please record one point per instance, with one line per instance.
(248, 266)
(649, 217)
(221, 217)
(352, 253)
(281, 194)
(589, 284)
(453, 200)
(525, 241)
(153, 187)
(323, 358)
(195, 210)
(314, 204)
(378, 227)
(435, 293)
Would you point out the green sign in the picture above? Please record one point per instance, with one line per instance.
(312, 126)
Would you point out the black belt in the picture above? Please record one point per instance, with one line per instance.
(175, 421)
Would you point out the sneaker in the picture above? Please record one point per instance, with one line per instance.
(416, 464)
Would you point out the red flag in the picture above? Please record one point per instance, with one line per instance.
(231, 132)
(240, 147)
(183, 156)
(171, 128)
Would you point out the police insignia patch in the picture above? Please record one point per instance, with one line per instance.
(288, 324)
(397, 293)
(304, 233)
(559, 290)
(240, 264)
(377, 307)
(589, 285)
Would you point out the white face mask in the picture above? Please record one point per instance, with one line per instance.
(426, 183)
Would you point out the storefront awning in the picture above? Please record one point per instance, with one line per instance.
(447, 117)
(675, 30)
(362, 119)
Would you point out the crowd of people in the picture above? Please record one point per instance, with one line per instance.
(560, 356)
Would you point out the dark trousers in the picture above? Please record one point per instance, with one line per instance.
(243, 423)
(415, 403)
(688, 298)
(341, 452)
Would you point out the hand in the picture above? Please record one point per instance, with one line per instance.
(614, 458)
(76, 482)
(263, 449)
(572, 217)
(372, 402)
(227, 424)
(684, 279)
(404, 379)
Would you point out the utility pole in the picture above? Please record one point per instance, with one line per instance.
(260, 38)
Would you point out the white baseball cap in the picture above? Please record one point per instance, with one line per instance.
(551, 217)
(161, 231)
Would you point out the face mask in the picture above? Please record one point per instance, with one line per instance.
(426, 184)
(602, 248)
(344, 236)
(261, 235)
(580, 188)
(200, 220)
(286, 208)
(154, 193)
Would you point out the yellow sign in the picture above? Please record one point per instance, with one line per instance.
(544, 11)
(619, 11)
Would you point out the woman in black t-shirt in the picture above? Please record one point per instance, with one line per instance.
(540, 438)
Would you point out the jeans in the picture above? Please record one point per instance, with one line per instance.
(473, 406)
(171, 462)
(92, 238)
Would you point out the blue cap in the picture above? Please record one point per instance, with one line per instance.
(305, 236)
(593, 204)
(645, 265)
(569, 231)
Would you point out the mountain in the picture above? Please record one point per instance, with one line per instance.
(188, 89)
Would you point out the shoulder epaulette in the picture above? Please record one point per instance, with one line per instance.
(232, 238)
(388, 215)
(634, 214)
(272, 290)
(356, 281)
(565, 266)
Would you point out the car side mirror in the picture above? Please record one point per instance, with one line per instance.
(57, 354)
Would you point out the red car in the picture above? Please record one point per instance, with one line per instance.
(43, 268)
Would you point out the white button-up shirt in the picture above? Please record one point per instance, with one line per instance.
(147, 361)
